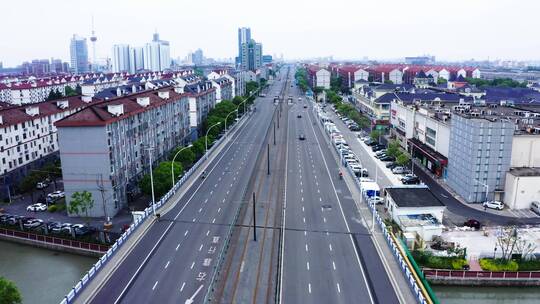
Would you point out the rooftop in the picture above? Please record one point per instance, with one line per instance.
(413, 197)
(525, 171)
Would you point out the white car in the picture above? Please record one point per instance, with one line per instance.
(37, 207)
(56, 194)
(494, 205)
(376, 200)
(398, 170)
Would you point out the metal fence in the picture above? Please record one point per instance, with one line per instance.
(54, 240)
(87, 278)
(487, 275)
(413, 284)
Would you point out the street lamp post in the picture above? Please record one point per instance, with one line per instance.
(151, 179)
(228, 117)
(485, 185)
(206, 138)
(172, 163)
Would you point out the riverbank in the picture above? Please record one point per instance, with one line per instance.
(43, 276)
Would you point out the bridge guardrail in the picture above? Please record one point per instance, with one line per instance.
(90, 274)
(54, 240)
(482, 274)
(413, 284)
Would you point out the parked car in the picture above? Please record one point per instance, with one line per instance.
(399, 170)
(376, 200)
(37, 207)
(370, 142)
(377, 147)
(473, 224)
(535, 207)
(390, 165)
(33, 224)
(410, 180)
(56, 194)
(387, 158)
(51, 225)
(494, 205)
(380, 152)
(42, 185)
(4, 218)
(61, 228)
(81, 229)
(14, 220)
(301, 137)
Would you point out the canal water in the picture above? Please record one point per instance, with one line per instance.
(42, 276)
(487, 295)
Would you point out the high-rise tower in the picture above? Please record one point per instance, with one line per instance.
(93, 38)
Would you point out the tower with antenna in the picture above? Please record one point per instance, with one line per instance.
(93, 38)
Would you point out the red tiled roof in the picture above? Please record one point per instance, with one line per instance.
(97, 114)
(13, 115)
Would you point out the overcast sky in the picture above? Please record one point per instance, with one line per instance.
(450, 30)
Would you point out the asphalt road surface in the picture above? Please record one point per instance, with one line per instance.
(328, 256)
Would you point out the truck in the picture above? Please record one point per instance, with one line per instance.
(369, 188)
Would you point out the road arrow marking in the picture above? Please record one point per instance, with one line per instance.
(190, 300)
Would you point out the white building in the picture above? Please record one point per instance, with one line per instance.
(522, 187)
(525, 150)
(416, 210)
(122, 59)
(28, 135)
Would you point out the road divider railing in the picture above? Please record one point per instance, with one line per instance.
(421, 290)
(87, 278)
(481, 274)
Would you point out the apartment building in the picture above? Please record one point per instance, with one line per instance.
(106, 147)
(318, 77)
(28, 137)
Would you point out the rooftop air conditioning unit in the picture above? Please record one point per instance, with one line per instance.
(32, 111)
(143, 101)
(115, 109)
(62, 104)
(163, 95)
(86, 99)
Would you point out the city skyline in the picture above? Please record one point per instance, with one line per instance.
(411, 32)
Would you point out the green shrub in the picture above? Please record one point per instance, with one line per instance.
(52, 208)
(61, 206)
(530, 265)
(490, 264)
(426, 259)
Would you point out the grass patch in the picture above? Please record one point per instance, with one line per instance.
(426, 259)
(530, 265)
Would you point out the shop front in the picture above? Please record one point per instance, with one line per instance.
(434, 161)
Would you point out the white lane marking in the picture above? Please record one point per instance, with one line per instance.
(307, 249)
(205, 201)
(334, 265)
(309, 287)
(307, 265)
(302, 198)
(324, 219)
(200, 248)
(211, 191)
(320, 199)
(182, 287)
(200, 209)
(177, 246)
(214, 220)
(219, 210)
(167, 265)
(190, 300)
(300, 183)
(207, 232)
(219, 179)
(330, 246)
(318, 191)
(301, 190)
(304, 219)
(193, 219)
(154, 287)
(228, 192)
(223, 201)
(193, 264)
(223, 173)
(338, 289)
(305, 232)
(215, 186)
(185, 233)
(341, 209)
(302, 208)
